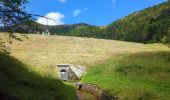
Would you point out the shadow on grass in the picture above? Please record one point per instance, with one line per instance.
(18, 81)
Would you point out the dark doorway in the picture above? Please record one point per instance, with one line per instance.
(64, 75)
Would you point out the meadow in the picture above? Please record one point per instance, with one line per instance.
(116, 66)
(43, 53)
(138, 76)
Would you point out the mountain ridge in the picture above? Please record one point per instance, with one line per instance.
(146, 26)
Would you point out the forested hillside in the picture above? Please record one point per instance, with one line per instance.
(146, 26)
(149, 25)
(65, 29)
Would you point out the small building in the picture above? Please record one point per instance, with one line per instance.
(69, 72)
(46, 32)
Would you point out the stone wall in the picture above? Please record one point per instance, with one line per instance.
(74, 72)
(95, 90)
(78, 70)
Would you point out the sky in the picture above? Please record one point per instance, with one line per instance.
(94, 12)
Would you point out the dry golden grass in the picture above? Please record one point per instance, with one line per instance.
(42, 52)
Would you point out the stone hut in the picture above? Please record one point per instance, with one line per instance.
(70, 72)
(46, 32)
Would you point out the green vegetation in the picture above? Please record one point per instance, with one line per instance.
(146, 26)
(65, 29)
(139, 76)
(25, 84)
(149, 25)
(135, 71)
(28, 72)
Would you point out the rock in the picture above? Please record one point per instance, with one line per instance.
(78, 70)
(95, 90)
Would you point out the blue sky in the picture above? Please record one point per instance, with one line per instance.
(95, 12)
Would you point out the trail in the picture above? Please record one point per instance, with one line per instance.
(81, 95)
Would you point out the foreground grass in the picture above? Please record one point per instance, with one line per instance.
(139, 76)
(17, 80)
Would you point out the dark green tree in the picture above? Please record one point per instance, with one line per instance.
(11, 14)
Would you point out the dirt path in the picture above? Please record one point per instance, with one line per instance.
(85, 96)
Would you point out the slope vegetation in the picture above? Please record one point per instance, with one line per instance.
(139, 76)
(16, 79)
(42, 53)
(46, 51)
(149, 25)
(30, 71)
(146, 26)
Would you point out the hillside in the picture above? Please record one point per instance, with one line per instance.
(18, 81)
(149, 25)
(145, 26)
(30, 70)
(33, 27)
(41, 52)
(66, 29)
(138, 76)
(128, 59)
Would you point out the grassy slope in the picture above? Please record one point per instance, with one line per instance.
(17, 80)
(35, 59)
(139, 76)
(42, 53)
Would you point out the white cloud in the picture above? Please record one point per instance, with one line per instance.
(55, 16)
(77, 12)
(62, 1)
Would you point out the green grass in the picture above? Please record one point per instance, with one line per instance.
(25, 84)
(139, 76)
(30, 70)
